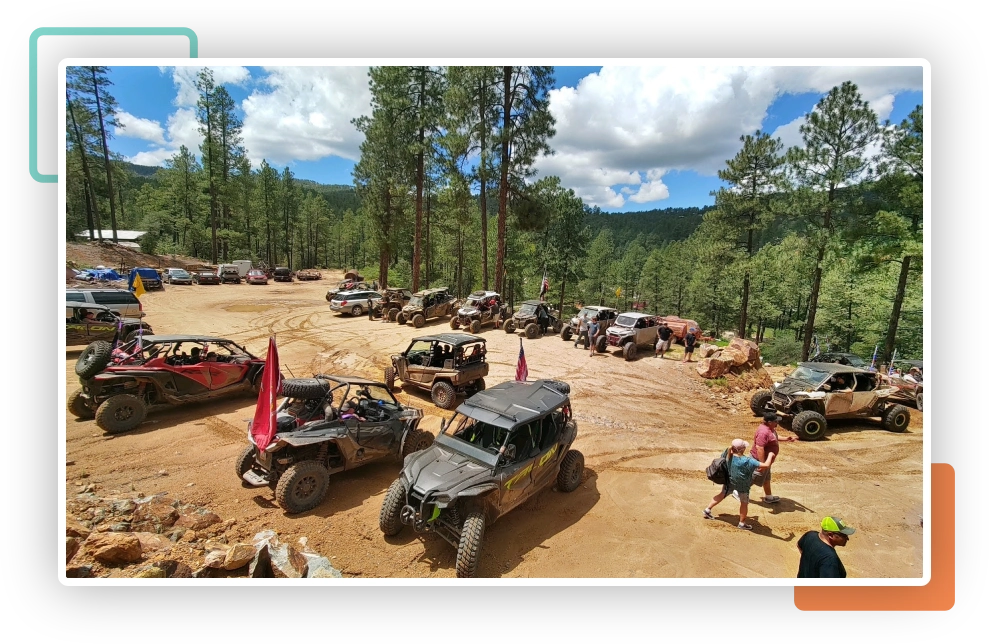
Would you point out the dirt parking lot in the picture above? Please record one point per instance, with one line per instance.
(647, 429)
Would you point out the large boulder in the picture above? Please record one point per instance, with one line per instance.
(287, 562)
(735, 357)
(713, 367)
(239, 555)
(154, 515)
(195, 518)
(114, 547)
(747, 348)
(707, 350)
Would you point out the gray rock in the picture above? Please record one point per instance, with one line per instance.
(287, 562)
(319, 567)
(239, 556)
(261, 565)
(78, 572)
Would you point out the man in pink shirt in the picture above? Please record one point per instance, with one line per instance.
(766, 449)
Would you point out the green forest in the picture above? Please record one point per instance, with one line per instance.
(817, 246)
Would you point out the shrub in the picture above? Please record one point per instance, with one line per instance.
(779, 351)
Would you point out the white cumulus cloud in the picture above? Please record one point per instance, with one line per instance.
(139, 128)
(185, 81)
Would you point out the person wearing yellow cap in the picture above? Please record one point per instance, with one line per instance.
(818, 558)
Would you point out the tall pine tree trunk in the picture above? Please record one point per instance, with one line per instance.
(503, 185)
(91, 207)
(106, 157)
(894, 316)
(482, 177)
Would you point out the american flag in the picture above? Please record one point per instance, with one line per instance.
(521, 369)
(544, 287)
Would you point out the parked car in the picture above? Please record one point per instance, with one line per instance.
(426, 305)
(819, 391)
(308, 274)
(630, 332)
(354, 302)
(229, 274)
(848, 359)
(177, 276)
(205, 277)
(502, 447)
(605, 315)
(104, 324)
(532, 317)
(256, 276)
(313, 441)
(392, 301)
(150, 279)
(481, 307)
(120, 301)
(446, 364)
(119, 387)
(282, 274)
(347, 285)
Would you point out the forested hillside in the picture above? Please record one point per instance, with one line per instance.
(819, 241)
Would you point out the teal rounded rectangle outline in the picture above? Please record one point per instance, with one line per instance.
(80, 31)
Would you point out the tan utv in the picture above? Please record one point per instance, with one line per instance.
(392, 301)
(446, 365)
(426, 305)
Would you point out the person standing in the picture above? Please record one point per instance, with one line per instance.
(592, 333)
(766, 448)
(663, 337)
(689, 341)
(818, 558)
(581, 332)
(740, 471)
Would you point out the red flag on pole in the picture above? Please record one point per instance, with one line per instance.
(264, 426)
(521, 369)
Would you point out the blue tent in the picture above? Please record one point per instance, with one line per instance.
(145, 273)
(104, 274)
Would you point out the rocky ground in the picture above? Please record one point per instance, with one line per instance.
(648, 428)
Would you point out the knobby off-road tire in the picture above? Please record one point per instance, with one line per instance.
(93, 359)
(390, 519)
(557, 326)
(475, 326)
(469, 549)
(120, 413)
(244, 462)
(137, 333)
(390, 378)
(305, 388)
(896, 418)
(416, 441)
(629, 351)
(400, 317)
(810, 425)
(392, 315)
(761, 402)
(357, 311)
(920, 401)
(532, 330)
(477, 385)
(509, 326)
(566, 333)
(443, 395)
(418, 320)
(454, 323)
(571, 471)
(601, 344)
(302, 487)
(77, 405)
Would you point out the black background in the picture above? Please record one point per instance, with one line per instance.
(736, 610)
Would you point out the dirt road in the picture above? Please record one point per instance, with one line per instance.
(647, 429)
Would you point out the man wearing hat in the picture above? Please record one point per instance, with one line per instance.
(766, 447)
(740, 470)
(818, 558)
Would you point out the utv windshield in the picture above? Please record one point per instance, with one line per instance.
(812, 376)
(528, 309)
(415, 301)
(625, 320)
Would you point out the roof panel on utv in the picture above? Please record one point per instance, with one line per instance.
(832, 367)
(453, 339)
(513, 403)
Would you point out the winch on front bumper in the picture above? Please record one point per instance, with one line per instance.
(425, 515)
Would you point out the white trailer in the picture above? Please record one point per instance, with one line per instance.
(243, 266)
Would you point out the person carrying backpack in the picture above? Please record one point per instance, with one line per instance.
(741, 468)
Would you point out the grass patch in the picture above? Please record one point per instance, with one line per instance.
(717, 383)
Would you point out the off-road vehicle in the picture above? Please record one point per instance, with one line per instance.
(481, 307)
(120, 386)
(848, 359)
(446, 365)
(282, 274)
(426, 305)
(308, 274)
(104, 325)
(910, 389)
(605, 315)
(502, 447)
(326, 425)
(534, 318)
(229, 274)
(817, 392)
(630, 332)
(391, 303)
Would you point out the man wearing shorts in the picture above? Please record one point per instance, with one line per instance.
(689, 341)
(664, 335)
(740, 471)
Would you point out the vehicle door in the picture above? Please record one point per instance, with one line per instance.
(225, 374)
(515, 475)
(100, 329)
(838, 402)
(375, 436)
(544, 470)
(189, 378)
(76, 330)
(417, 359)
(864, 395)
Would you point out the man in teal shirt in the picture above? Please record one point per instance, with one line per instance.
(740, 471)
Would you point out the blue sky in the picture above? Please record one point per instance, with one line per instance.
(628, 138)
